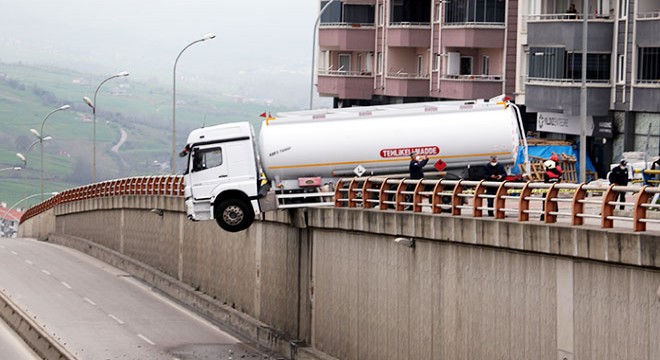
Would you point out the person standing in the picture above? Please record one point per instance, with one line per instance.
(416, 169)
(571, 11)
(416, 166)
(619, 176)
(494, 171)
(552, 174)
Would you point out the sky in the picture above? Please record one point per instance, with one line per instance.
(259, 44)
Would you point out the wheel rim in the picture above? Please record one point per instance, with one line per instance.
(233, 215)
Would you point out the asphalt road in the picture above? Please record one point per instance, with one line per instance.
(12, 346)
(99, 312)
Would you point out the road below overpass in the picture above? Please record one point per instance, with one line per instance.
(12, 346)
(99, 312)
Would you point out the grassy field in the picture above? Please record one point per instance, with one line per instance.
(142, 110)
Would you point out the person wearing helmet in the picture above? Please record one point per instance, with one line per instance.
(552, 174)
(553, 171)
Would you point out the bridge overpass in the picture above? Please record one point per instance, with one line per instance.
(393, 271)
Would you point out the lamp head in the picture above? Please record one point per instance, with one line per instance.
(64, 107)
(123, 73)
(46, 138)
(88, 101)
(35, 133)
(208, 36)
(22, 157)
(17, 168)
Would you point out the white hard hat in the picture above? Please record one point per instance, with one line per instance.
(549, 164)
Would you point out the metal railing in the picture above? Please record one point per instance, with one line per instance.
(567, 16)
(472, 77)
(330, 72)
(167, 185)
(550, 202)
(575, 204)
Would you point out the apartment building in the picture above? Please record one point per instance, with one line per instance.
(622, 77)
(397, 51)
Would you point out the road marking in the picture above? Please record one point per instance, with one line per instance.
(29, 262)
(116, 319)
(66, 285)
(14, 252)
(46, 272)
(90, 301)
(146, 339)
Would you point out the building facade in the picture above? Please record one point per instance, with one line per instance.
(622, 77)
(396, 51)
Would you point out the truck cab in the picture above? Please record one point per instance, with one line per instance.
(222, 175)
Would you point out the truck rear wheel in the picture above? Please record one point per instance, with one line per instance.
(234, 215)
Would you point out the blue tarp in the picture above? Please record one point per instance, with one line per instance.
(546, 151)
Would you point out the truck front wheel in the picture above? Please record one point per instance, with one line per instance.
(234, 215)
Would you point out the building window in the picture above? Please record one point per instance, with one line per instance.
(475, 11)
(344, 62)
(648, 65)
(438, 58)
(436, 14)
(358, 14)
(380, 63)
(466, 65)
(359, 63)
(621, 69)
(410, 11)
(557, 63)
(381, 14)
(325, 60)
(623, 9)
(369, 63)
(332, 13)
(598, 66)
(485, 65)
(420, 66)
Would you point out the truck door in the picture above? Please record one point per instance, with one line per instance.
(208, 169)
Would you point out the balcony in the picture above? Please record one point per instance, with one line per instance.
(566, 30)
(564, 95)
(409, 34)
(648, 29)
(346, 84)
(406, 85)
(460, 87)
(480, 36)
(347, 37)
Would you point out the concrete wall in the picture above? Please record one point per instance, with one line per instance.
(334, 279)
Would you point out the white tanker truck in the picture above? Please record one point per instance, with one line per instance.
(232, 175)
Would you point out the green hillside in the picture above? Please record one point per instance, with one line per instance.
(142, 110)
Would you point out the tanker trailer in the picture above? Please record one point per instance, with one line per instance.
(230, 170)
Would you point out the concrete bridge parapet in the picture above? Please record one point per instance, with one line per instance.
(333, 283)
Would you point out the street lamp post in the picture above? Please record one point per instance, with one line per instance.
(316, 27)
(42, 138)
(208, 36)
(92, 104)
(4, 216)
(583, 97)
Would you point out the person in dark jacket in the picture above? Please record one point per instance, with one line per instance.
(494, 171)
(619, 176)
(416, 166)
